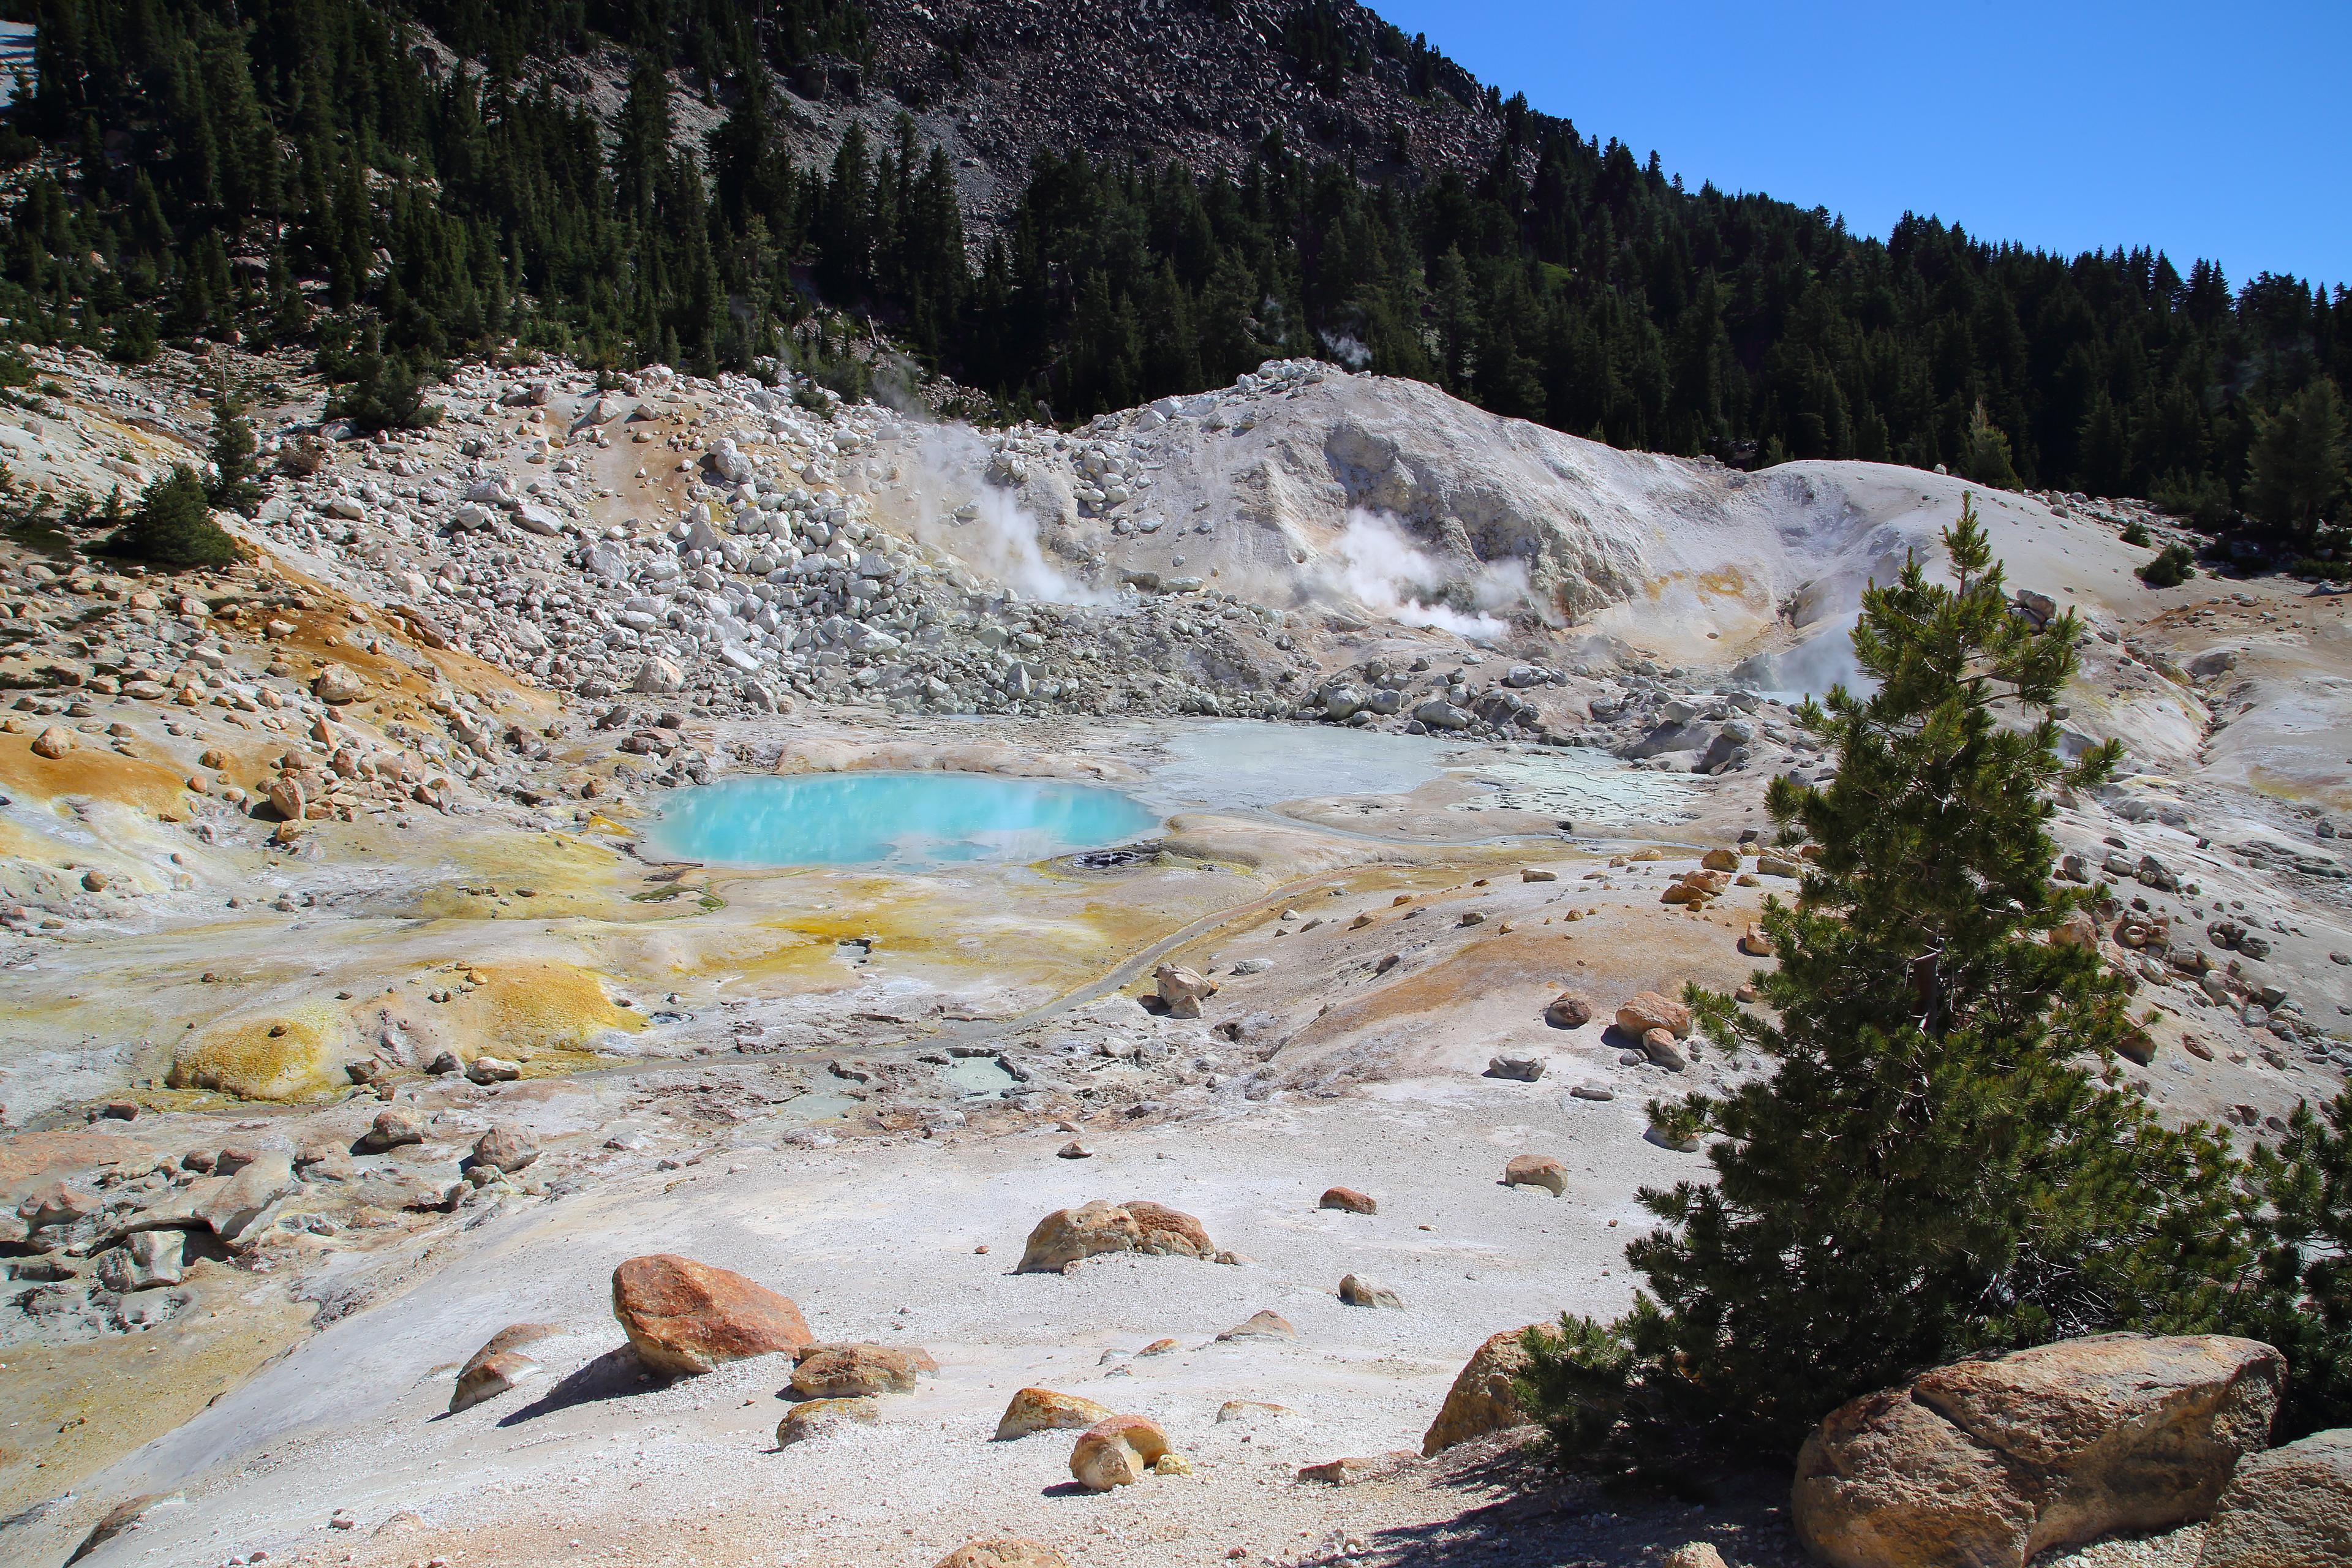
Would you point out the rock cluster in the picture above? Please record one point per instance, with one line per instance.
(685, 1317)
(1067, 1236)
(1482, 1400)
(1987, 1464)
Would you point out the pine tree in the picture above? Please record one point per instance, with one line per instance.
(2298, 467)
(1984, 452)
(2302, 1194)
(384, 392)
(1934, 1165)
(235, 485)
(173, 526)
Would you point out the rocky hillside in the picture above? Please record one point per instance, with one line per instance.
(1202, 83)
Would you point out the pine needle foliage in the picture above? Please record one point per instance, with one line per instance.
(174, 525)
(1941, 1160)
(237, 483)
(2301, 1193)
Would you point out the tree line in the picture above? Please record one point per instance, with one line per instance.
(302, 171)
(1948, 1152)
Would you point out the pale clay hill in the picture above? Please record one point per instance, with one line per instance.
(350, 1020)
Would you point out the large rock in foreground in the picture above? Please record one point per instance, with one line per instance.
(688, 1317)
(499, 1366)
(1481, 1400)
(1118, 1451)
(1066, 1236)
(2288, 1509)
(1646, 1010)
(1003, 1552)
(1986, 1464)
(1044, 1410)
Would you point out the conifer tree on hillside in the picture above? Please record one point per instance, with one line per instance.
(167, 156)
(2300, 467)
(2301, 1196)
(1934, 1164)
(235, 485)
(1984, 452)
(173, 526)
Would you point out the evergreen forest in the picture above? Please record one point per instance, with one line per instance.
(314, 172)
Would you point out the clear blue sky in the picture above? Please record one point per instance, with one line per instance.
(2220, 131)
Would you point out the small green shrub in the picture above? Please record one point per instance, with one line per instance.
(2302, 1192)
(136, 341)
(237, 485)
(384, 392)
(2136, 535)
(1579, 1376)
(2173, 566)
(173, 526)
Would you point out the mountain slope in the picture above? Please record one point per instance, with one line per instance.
(1076, 208)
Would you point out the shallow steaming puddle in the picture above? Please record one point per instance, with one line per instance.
(900, 820)
(1583, 784)
(1241, 765)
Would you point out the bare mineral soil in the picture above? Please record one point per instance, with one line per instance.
(354, 828)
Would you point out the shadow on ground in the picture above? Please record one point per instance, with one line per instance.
(1515, 1512)
(615, 1374)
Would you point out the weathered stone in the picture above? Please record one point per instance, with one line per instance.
(1358, 1291)
(1658, 1044)
(1754, 943)
(231, 1209)
(290, 796)
(1348, 1200)
(56, 1204)
(1535, 1170)
(1066, 1236)
(1681, 1141)
(1569, 1010)
(1248, 1410)
(1481, 1400)
(339, 684)
(851, 1371)
(1004, 1551)
(2077, 930)
(658, 676)
(499, 1366)
(1044, 1410)
(1694, 1555)
(1647, 1010)
(1988, 1464)
(1182, 989)
(815, 1418)
(685, 1317)
(53, 742)
(121, 1520)
(1518, 1069)
(1116, 1452)
(394, 1127)
(506, 1147)
(146, 1259)
(1261, 1325)
(2289, 1508)
(1356, 1468)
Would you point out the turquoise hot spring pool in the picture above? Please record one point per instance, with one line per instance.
(902, 820)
